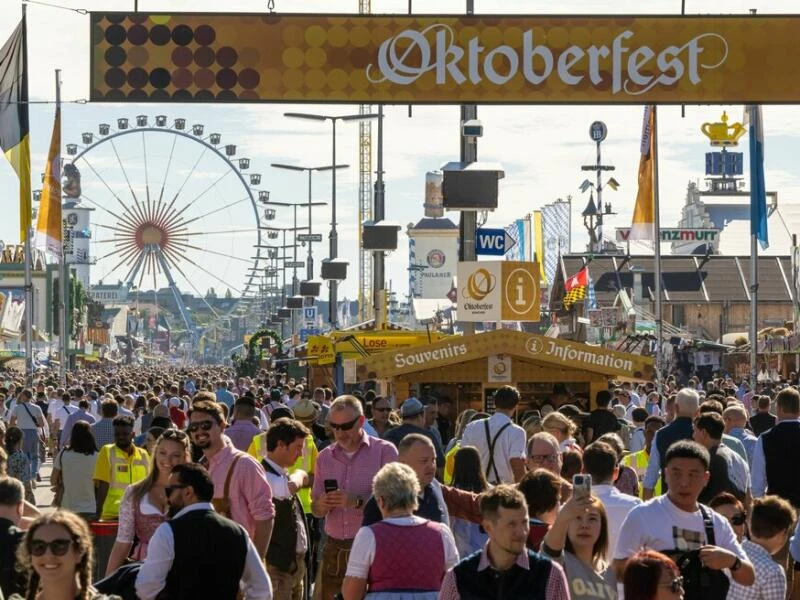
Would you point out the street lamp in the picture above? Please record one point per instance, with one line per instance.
(334, 236)
(309, 170)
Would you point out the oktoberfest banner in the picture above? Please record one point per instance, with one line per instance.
(444, 59)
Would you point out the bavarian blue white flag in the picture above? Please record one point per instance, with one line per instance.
(758, 189)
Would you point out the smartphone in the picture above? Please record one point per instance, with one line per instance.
(331, 485)
(581, 485)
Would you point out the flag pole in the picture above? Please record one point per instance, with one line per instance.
(28, 234)
(657, 257)
(63, 274)
(753, 310)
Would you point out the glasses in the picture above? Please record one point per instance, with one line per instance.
(675, 586)
(539, 458)
(169, 489)
(738, 519)
(57, 547)
(204, 425)
(344, 426)
(381, 409)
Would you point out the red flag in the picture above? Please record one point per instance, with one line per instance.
(580, 279)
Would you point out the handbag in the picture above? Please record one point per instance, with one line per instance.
(700, 582)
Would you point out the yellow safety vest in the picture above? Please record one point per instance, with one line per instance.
(449, 463)
(638, 461)
(125, 470)
(306, 462)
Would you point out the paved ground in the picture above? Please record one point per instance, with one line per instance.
(44, 496)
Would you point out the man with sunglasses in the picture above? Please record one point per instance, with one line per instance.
(342, 484)
(241, 491)
(198, 553)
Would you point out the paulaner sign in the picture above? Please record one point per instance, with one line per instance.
(481, 58)
(676, 235)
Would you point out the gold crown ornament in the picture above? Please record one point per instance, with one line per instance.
(722, 134)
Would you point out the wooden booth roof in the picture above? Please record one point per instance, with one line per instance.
(534, 348)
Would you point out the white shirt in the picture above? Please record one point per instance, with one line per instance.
(510, 444)
(660, 525)
(363, 553)
(617, 505)
(152, 577)
(280, 490)
(64, 412)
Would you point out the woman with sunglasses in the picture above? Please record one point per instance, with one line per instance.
(144, 505)
(56, 554)
(651, 575)
(771, 524)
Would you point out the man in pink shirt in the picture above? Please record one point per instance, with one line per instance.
(342, 485)
(241, 491)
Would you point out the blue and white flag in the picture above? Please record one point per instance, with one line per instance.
(758, 189)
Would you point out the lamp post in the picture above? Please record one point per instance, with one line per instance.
(284, 248)
(309, 170)
(334, 236)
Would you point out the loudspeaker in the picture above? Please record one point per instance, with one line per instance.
(310, 288)
(379, 237)
(334, 269)
(470, 190)
(294, 302)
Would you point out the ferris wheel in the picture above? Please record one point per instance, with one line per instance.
(171, 207)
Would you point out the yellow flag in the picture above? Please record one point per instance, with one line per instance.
(49, 227)
(643, 224)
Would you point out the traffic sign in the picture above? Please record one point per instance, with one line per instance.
(304, 333)
(295, 264)
(494, 242)
(309, 237)
(310, 314)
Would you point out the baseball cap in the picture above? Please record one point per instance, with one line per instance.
(411, 408)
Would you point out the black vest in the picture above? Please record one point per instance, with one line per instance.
(516, 583)
(720, 480)
(210, 553)
(282, 551)
(680, 429)
(781, 446)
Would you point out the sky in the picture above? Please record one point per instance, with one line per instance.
(540, 147)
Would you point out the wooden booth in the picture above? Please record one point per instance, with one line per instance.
(468, 370)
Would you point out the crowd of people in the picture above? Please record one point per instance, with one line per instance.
(264, 487)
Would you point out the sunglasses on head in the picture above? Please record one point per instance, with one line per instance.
(344, 426)
(57, 547)
(204, 425)
(738, 519)
(675, 586)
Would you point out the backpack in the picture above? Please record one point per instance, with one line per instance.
(699, 582)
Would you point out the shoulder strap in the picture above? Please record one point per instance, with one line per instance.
(229, 476)
(492, 442)
(708, 523)
(66, 408)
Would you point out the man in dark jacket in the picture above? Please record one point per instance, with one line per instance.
(199, 553)
(763, 419)
(12, 495)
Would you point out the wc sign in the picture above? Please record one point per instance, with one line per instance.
(310, 315)
(494, 242)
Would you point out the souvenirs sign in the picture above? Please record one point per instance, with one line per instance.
(535, 348)
(443, 59)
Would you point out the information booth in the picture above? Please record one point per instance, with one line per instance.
(468, 370)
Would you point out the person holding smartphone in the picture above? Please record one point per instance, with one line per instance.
(578, 540)
(342, 485)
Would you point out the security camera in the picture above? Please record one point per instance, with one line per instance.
(472, 128)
